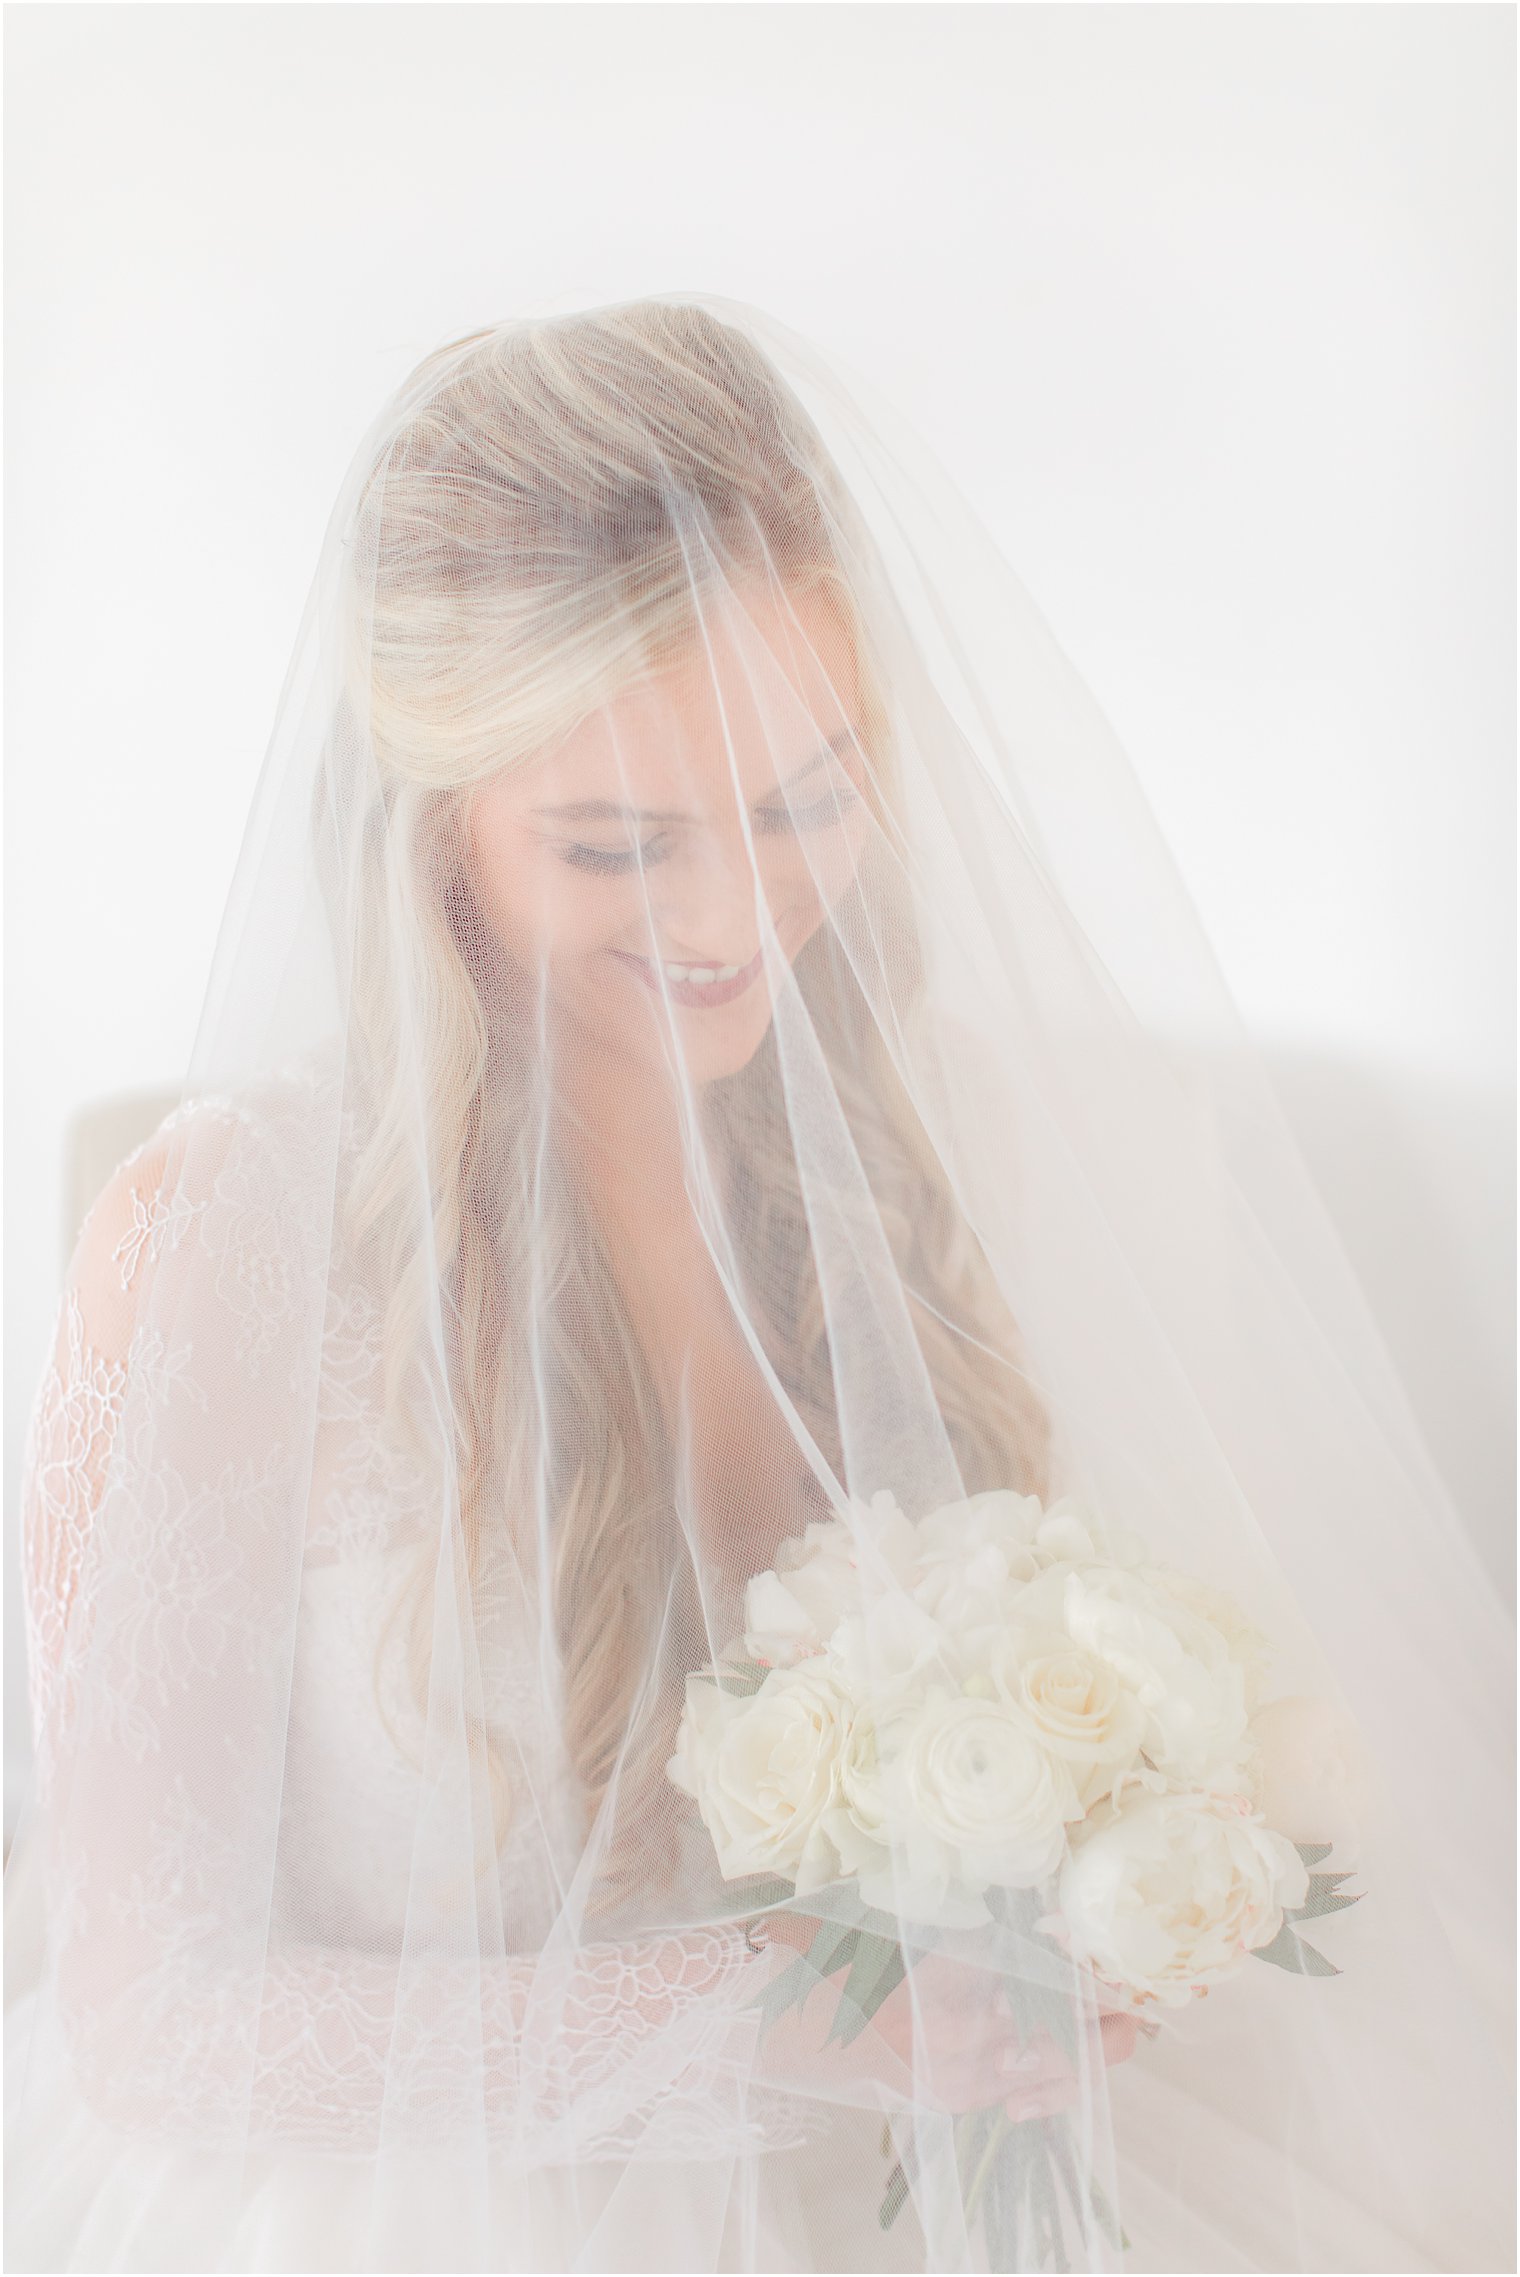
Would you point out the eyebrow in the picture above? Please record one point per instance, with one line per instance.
(593, 810)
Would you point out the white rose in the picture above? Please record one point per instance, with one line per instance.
(1076, 1702)
(1178, 1666)
(972, 1777)
(764, 1771)
(858, 1822)
(1165, 1894)
(891, 1649)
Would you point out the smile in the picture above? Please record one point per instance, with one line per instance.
(700, 986)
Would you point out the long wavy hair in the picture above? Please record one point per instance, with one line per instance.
(527, 486)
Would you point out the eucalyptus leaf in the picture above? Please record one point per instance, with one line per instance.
(789, 1990)
(769, 1891)
(1328, 1901)
(740, 1679)
(834, 1943)
(1289, 1952)
(875, 1973)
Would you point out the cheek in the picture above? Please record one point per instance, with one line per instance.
(541, 909)
(815, 872)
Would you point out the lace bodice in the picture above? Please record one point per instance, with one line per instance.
(306, 2017)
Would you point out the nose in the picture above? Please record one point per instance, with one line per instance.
(704, 912)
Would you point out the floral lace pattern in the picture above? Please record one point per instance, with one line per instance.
(199, 2001)
(73, 1425)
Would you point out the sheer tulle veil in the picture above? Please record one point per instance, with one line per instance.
(725, 1439)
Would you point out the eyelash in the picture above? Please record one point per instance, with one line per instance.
(608, 862)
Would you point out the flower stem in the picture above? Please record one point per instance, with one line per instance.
(1001, 2126)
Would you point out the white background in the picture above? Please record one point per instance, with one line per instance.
(1208, 308)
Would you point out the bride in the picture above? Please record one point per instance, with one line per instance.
(706, 1056)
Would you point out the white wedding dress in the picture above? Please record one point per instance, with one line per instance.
(103, 2198)
(634, 2146)
(641, 2031)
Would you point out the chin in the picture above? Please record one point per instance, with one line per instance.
(711, 1057)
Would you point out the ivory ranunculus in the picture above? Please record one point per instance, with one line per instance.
(1164, 1894)
(1076, 1702)
(764, 1770)
(973, 1777)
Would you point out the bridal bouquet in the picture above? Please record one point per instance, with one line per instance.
(1002, 1698)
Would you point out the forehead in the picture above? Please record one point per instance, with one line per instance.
(765, 683)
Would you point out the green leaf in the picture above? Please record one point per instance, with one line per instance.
(834, 1943)
(789, 1990)
(1289, 1952)
(1321, 1902)
(896, 2198)
(1312, 1852)
(741, 1679)
(768, 1891)
(876, 1971)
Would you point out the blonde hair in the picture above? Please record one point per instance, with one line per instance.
(551, 446)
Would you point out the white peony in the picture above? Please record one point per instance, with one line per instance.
(764, 1770)
(835, 1567)
(972, 1557)
(1247, 1646)
(1312, 1774)
(1165, 1894)
(1069, 1534)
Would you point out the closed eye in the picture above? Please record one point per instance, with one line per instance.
(622, 861)
(819, 815)
(613, 861)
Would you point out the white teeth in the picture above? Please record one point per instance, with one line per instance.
(697, 976)
(701, 976)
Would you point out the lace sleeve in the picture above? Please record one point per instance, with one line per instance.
(73, 1424)
(187, 2014)
(640, 2048)
(72, 1431)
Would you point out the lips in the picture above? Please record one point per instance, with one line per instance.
(697, 996)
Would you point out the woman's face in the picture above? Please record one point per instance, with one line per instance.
(622, 871)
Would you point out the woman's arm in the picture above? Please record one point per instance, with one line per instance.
(185, 2011)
